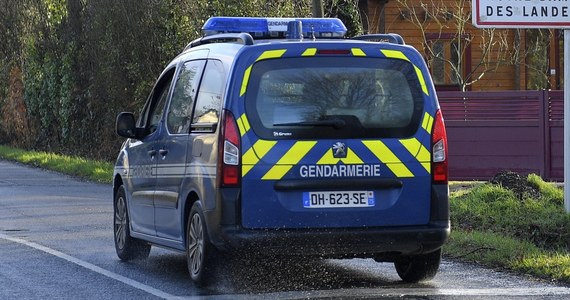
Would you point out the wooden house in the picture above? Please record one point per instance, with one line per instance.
(462, 56)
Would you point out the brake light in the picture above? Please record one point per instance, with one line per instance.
(333, 52)
(439, 168)
(229, 160)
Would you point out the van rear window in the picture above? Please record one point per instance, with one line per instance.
(325, 97)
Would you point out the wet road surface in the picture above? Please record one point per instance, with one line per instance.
(56, 242)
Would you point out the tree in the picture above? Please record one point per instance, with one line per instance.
(348, 12)
(67, 67)
(447, 49)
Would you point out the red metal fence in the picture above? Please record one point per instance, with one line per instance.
(519, 131)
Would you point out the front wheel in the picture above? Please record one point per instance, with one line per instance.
(199, 251)
(418, 267)
(127, 247)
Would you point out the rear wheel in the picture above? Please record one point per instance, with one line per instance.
(418, 267)
(127, 247)
(199, 251)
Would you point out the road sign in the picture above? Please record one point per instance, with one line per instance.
(521, 13)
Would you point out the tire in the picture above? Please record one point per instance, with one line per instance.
(127, 247)
(199, 252)
(418, 268)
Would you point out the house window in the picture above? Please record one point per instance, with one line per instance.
(446, 57)
(444, 60)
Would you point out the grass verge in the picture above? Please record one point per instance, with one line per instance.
(493, 226)
(75, 166)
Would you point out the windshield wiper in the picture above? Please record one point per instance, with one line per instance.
(335, 123)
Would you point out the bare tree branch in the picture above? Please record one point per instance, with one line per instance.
(454, 19)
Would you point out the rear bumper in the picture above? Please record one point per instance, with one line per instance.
(379, 242)
(362, 242)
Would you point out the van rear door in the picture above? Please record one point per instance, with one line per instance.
(335, 140)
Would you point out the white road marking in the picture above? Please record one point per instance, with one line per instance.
(91, 267)
(359, 292)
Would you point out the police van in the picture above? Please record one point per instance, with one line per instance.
(280, 136)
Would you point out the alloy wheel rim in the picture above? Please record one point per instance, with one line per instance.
(196, 245)
(120, 223)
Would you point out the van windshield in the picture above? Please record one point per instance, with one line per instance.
(324, 97)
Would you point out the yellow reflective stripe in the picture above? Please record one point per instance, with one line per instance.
(310, 52)
(255, 153)
(245, 81)
(419, 151)
(394, 54)
(400, 55)
(427, 122)
(277, 172)
(271, 54)
(245, 169)
(328, 159)
(350, 159)
(422, 80)
(358, 52)
(261, 147)
(265, 55)
(385, 155)
(243, 124)
(249, 160)
(292, 157)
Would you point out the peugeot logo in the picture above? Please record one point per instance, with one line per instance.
(339, 150)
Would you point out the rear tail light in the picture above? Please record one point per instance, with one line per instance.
(439, 151)
(229, 160)
(333, 52)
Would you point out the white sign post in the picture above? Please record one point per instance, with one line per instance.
(534, 14)
(567, 120)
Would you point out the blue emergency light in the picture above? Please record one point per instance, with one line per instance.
(275, 27)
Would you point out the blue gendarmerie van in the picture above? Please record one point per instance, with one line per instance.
(281, 136)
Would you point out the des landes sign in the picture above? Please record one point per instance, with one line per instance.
(521, 13)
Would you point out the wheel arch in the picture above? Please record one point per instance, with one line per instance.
(117, 182)
(191, 198)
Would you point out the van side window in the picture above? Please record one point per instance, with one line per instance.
(210, 95)
(180, 109)
(154, 108)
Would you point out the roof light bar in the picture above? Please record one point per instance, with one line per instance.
(275, 27)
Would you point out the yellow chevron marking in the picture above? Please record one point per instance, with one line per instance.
(261, 147)
(394, 54)
(385, 155)
(310, 52)
(419, 151)
(243, 124)
(271, 54)
(265, 55)
(350, 159)
(292, 157)
(328, 159)
(358, 52)
(255, 153)
(422, 80)
(427, 122)
(400, 55)
(249, 160)
(245, 81)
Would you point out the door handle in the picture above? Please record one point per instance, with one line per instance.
(163, 152)
(152, 153)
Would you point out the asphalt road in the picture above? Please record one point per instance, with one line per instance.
(56, 242)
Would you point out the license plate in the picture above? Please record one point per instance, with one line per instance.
(338, 199)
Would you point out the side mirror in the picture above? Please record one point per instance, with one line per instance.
(126, 125)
